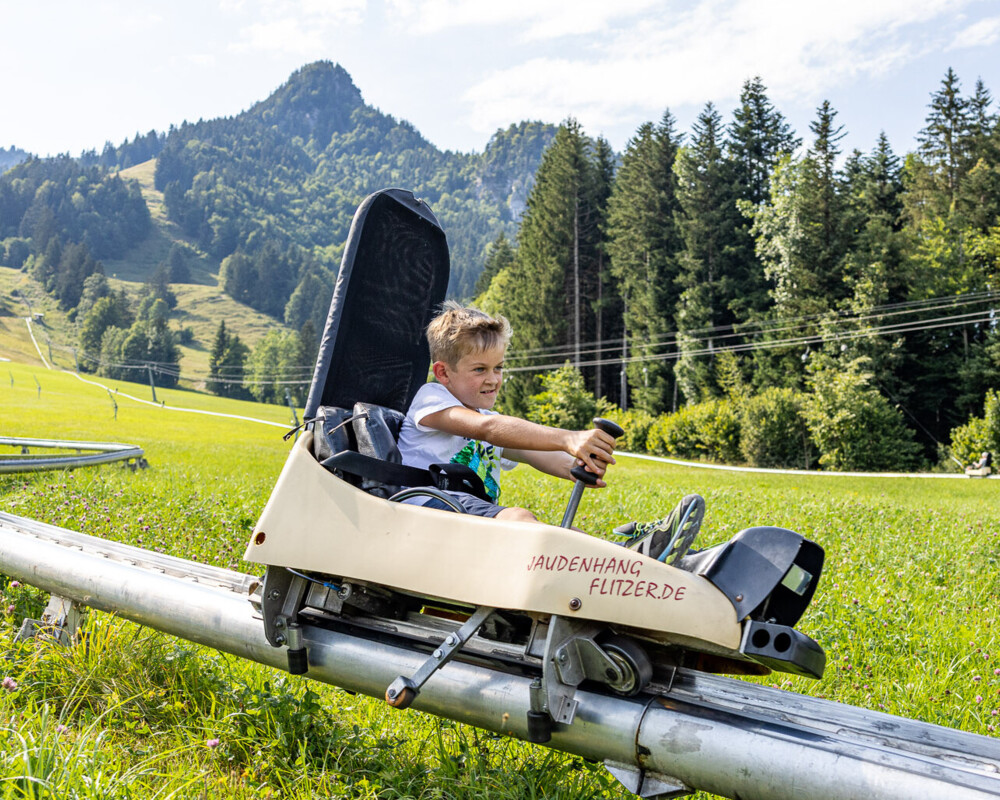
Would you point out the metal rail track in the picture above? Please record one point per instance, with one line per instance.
(104, 453)
(725, 736)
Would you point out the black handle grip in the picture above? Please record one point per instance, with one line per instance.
(581, 473)
(614, 430)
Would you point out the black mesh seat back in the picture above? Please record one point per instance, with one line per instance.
(392, 279)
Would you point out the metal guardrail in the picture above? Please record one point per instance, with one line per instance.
(721, 735)
(102, 453)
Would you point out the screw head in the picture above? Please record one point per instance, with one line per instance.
(575, 604)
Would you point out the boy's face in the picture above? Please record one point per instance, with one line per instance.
(475, 380)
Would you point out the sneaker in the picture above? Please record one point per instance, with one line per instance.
(670, 537)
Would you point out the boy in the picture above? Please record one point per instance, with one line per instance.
(452, 421)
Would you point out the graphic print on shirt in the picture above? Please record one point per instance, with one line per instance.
(482, 459)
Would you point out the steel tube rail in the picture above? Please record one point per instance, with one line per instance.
(105, 452)
(721, 735)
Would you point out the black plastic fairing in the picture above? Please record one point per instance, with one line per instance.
(750, 567)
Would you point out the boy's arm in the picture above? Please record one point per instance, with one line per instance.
(551, 463)
(592, 447)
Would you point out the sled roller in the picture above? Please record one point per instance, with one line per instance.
(584, 477)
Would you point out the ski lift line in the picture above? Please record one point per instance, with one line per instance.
(282, 425)
(718, 342)
(34, 341)
(778, 325)
(177, 374)
(753, 740)
(753, 346)
(772, 471)
(614, 345)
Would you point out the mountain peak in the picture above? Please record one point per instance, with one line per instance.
(314, 103)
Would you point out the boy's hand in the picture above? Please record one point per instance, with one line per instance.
(592, 449)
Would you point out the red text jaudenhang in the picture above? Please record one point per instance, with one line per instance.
(614, 586)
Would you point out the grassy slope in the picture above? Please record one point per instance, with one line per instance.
(201, 304)
(906, 611)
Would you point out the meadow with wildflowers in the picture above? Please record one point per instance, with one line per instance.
(906, 610)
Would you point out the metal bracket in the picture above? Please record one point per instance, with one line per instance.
(282, 595)
(403, 690)
(572, 656)
(60, 620)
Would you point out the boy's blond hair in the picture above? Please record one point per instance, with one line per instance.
(459, 330)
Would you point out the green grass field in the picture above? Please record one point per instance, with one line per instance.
(906, 610)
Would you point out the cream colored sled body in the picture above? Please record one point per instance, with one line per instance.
(316, 521)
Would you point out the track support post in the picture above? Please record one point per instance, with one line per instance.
(60, 621)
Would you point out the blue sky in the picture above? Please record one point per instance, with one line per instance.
(79, 74)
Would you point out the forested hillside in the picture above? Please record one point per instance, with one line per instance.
(286, 175)
(12, 156)
(290, 171)
(740, 264)
(269, 194)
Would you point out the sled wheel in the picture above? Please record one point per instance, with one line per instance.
(637, 669)
(403, 699)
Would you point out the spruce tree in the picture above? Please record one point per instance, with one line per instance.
(875, 270)
(499, 255)
(945, 140)
(709, 221)
(226, 364)
(545, 295)
(803, 236)
(757, 139)
(602, 292)
(824, 207)
(643, 243)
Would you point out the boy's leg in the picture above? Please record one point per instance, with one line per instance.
(670, 537)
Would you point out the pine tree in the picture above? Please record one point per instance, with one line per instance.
(545, 295)
(709, 221)
(758, 138)
(803, 236)
(226, 364)
(945, 141)
(824, 206)
(875, 269)
(604, 299)
(499, 255)
(643, 244)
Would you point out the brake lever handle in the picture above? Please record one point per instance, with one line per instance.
(584, 477)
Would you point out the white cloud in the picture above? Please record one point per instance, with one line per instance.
(300, 28)
(537, 19)
(688, 53)
(980, 34)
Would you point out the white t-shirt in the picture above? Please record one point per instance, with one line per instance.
(421, 446)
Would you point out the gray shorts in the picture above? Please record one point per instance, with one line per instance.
(471, 504)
